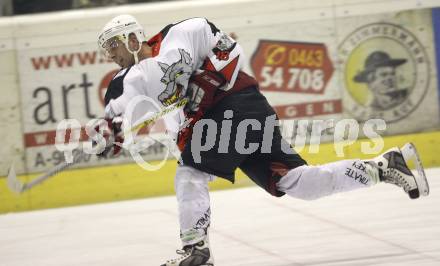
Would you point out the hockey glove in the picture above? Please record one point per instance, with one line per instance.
(111, 131)
(202, 88)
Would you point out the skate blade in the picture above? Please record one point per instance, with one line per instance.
(412, 159)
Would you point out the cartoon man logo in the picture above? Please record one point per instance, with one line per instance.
(380, 76)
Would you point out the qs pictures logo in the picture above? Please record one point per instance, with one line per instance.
(385, 72)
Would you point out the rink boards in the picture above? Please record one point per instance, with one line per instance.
(129, 181)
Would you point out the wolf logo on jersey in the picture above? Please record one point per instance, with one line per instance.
(175, 78)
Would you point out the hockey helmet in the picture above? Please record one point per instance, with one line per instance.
(119, 28)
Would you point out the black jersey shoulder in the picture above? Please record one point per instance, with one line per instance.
(116, 86)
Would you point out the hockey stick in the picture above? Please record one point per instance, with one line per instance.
(18, 187)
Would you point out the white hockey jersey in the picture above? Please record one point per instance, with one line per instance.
(178, 50)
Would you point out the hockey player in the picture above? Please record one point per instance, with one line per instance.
(194, 59)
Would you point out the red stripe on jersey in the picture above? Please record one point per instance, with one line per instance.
(208, 65)
(155, 43)
(229, 69)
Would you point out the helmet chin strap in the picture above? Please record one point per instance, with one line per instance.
(134, 53)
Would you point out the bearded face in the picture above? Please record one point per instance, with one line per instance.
(383, 84)
(383, 80)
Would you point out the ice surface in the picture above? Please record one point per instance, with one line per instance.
(374, 226)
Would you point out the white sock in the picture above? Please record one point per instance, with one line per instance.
(192, 193)
(313, 182)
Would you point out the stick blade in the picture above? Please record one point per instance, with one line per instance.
(13, 183)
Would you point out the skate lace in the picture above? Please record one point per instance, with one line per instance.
(183, 255)
(393, 176)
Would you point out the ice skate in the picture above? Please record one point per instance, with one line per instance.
(393, 169)
(195, 255)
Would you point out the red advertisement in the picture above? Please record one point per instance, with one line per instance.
(292, 66)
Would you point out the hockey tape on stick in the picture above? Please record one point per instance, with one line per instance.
(150, 120)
